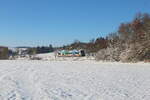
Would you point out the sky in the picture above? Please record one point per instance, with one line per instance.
(60, 22)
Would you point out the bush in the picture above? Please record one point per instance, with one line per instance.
(109, 54)
(136, 52)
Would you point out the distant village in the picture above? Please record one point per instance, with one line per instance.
(30, 52)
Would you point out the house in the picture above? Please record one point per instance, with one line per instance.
(3, 52)
(71, 53)
(22, 51)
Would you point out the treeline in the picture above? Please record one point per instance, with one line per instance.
(42, 49)
(91, 47)
(130, 43)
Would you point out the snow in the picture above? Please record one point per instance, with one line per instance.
(73, 80)
(51, 57)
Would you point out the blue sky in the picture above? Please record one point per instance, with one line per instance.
(58, 22)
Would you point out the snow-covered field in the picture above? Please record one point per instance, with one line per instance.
(51, 57)
(73, 80)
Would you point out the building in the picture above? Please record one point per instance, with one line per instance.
(71, 53)
(3, 52)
